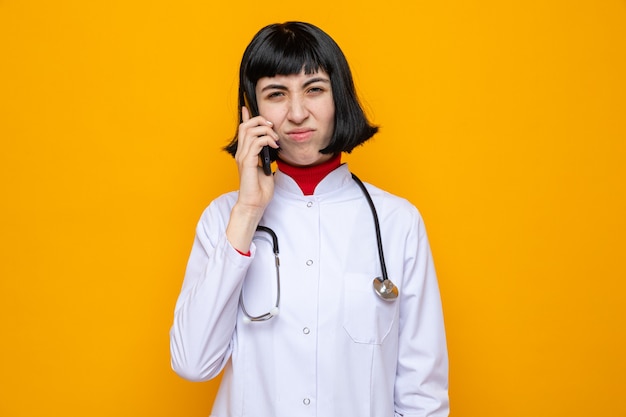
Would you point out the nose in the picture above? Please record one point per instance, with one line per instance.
(298, 111)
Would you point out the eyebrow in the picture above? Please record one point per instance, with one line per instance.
(306, 84)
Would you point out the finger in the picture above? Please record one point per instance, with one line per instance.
(261, 131)
(245, 114)
(252, 140)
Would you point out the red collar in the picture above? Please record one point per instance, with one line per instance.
(307, 178)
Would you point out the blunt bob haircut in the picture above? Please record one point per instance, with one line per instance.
(288, 48)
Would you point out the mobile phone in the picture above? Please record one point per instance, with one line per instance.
(264, 156)
(266, 161)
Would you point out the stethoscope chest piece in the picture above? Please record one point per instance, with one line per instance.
(385, 289)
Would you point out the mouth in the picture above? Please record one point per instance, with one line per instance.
(299, 135)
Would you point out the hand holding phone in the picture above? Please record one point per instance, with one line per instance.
(264, 156)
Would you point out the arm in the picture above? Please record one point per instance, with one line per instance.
(421, 388)
(206, 311)
(255, 188)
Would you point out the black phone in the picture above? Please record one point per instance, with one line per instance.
(266, 161)
(264, 156)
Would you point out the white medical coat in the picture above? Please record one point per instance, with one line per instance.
(335, 349)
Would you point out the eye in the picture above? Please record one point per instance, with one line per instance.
(316, 90)
(275, 94)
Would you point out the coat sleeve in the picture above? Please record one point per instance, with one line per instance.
(205, 315)
(421, 388)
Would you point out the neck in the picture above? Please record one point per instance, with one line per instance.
(309, 177)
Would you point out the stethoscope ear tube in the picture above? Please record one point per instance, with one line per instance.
(273, 235)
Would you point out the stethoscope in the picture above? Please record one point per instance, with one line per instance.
(383, 287)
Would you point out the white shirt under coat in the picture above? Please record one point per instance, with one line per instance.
(335, 349)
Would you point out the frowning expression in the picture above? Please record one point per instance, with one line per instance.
(302, 109)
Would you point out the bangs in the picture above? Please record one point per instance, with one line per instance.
(285, 52)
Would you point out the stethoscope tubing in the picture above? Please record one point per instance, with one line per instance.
(274, 311)
(384, 288)
(379, 239)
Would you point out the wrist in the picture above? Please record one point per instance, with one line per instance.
(246, 214)
(241, 226)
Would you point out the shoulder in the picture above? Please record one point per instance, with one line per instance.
(391, 202)
(395, 210)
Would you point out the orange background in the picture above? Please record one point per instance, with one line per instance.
(504, 122)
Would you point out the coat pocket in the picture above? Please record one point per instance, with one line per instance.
(367, 318)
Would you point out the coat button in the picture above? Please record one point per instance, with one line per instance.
(306, 401)
(309, 262)
(306, 330)
(309, 204)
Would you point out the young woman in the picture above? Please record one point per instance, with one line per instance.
(287, 289)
